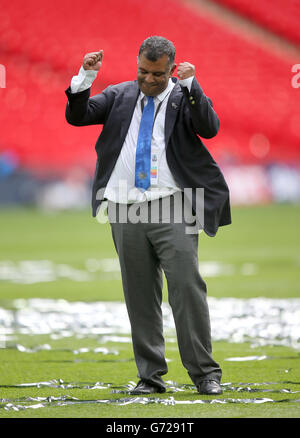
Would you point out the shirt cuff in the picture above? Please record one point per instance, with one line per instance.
(83, 80)
(187, 82)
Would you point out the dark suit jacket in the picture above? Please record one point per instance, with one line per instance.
(188, 116)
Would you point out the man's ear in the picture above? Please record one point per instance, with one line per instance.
(173, 69)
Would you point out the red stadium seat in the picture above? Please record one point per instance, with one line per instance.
(279, 16)
(43, 45)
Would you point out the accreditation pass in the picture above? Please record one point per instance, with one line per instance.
(154, 169)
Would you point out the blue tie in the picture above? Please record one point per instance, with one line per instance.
(143, 149)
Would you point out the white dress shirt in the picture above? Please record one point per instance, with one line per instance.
(120, 187)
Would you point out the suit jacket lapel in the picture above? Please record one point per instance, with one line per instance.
(127, 108)
(128, 105)
(172, 110)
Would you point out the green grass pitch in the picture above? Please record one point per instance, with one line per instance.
(264, 238)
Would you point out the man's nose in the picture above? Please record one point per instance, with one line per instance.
(149, 78)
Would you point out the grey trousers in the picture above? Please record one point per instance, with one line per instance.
(144, 250)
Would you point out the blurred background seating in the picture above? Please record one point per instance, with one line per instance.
(249, 82)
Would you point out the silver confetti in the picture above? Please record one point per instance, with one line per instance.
(261, 321)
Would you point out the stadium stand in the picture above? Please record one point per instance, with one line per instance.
(279, 16)
(42, 47)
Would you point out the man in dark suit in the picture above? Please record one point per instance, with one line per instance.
(150, 144)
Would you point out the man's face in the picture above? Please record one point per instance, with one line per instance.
(153, 76)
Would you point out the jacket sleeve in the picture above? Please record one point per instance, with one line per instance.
(83, 110)
(204, 119)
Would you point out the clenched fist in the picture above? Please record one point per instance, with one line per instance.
(185, 70)
(93, 60)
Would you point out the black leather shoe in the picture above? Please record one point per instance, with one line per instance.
(143, 388)
(209, 387)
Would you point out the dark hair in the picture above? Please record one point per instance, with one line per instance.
(155, 47)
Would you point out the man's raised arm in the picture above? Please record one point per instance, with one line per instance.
(204, 118)
(82, 110)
